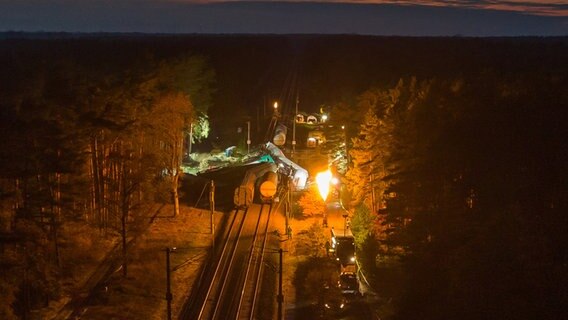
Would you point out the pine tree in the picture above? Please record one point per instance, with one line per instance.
(166, 122)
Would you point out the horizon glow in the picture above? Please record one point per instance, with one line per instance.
(533, 7)
(363, 17)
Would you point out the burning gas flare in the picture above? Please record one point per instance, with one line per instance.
(323, 179)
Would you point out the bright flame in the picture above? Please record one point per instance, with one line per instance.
(323, 179)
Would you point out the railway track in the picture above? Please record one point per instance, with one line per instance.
(253, 276)
(229, 282)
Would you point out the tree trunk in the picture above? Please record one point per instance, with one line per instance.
(175, 179)
(104, 172)
(123, 192)
(177, 153)
(97, 183)
(123, 235)
(55, 217)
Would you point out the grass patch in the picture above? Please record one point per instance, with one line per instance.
(141, 295)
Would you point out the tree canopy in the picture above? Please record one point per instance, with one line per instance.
(473, 169)
(89, 141)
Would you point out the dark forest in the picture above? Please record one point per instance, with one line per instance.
(466, 139)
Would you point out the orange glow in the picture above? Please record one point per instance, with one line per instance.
(323, 179)
(532, 7)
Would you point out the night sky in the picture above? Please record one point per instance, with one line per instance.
(405, 18)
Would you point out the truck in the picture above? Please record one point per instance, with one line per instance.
(343, 248)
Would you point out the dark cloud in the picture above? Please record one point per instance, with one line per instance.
(271, 17)
(531, 7)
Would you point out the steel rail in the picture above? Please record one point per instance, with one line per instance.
(249, 261)
(193, 301)
(227, 269)
(254, 266)
(258, 281)
(219, 261)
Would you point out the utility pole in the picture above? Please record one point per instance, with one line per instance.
(248, 137)
(294, 124)
(212, 207)
(289, 211)
(190, 140)
(280, 295)
(169, 295)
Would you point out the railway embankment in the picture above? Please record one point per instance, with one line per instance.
(141, 294)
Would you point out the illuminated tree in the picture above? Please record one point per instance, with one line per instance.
(372, 147)
(311, 202)
(317, 238)
(192, 77)
(360, 174)
(166, 122)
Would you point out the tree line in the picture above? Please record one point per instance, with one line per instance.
(88, 140)
(462, 182)
(456, 171)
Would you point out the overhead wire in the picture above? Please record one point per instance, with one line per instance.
(286, 101)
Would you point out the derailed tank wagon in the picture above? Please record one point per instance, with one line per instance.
(262, 177)
(244, 193)
(261, 181)
(268, 186)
